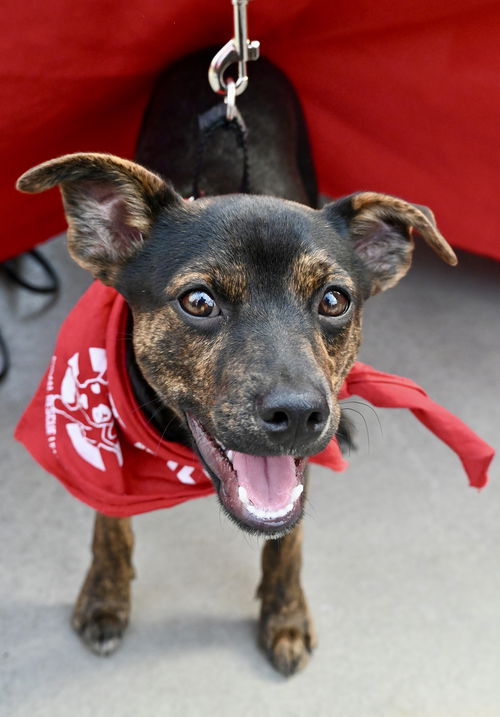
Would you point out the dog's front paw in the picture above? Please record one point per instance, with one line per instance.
(102, 610)
(101, 630)
(288, 637)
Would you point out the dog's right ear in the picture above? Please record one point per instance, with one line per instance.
(110, 205)
(380, 230)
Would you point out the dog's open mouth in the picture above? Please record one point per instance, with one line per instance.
(263, 493)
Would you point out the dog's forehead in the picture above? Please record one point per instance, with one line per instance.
(253, 226)
(256, 235)
(237, 245)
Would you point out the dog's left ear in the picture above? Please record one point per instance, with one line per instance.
(110, 205)
(380, 227)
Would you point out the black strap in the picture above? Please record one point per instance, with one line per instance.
(4, 358)
(50, 287)
(210, 122)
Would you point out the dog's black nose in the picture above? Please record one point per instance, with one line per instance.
(293, 418)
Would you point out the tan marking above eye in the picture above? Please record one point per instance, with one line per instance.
(311, 271)
(229, 282)
(188, 278)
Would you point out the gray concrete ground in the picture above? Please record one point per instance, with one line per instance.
(402, 558)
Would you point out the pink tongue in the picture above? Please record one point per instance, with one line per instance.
(268, 481)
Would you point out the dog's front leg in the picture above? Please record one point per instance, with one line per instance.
(102, 610)
(286, 631)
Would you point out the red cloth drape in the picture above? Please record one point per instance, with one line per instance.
(389, 391)
(401, 97)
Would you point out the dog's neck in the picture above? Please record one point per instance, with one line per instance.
(156, 413)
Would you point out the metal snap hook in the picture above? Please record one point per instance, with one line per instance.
(239, 50)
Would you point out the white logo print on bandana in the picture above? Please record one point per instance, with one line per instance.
(87, 409)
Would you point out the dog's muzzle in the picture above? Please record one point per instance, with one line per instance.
(263, 494)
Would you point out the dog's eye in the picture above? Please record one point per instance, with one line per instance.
(199, 303)
(334, 303)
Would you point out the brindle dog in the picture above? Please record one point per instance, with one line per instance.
(246, 312)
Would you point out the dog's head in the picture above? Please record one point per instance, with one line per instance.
(246, 310)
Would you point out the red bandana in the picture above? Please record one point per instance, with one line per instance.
(84, 425)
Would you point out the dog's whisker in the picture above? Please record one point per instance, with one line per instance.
(354, 410)
(164, 431)
(147, 403)
(347, 442)
(366, 405)
(310, 508)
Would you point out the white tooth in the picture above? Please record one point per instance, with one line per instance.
(243, 495)
(268, 514)
(230, 455)
(296, 492)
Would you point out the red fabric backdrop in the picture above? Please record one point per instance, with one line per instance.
(401, 97)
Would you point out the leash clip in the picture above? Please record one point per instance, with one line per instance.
(239, 50)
